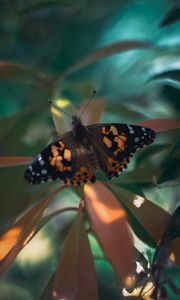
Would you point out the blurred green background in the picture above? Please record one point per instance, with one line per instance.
(47, 38)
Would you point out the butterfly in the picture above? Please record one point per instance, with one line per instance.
(75, 156)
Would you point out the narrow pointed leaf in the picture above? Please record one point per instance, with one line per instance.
(160, 125)
(104, 52)
(150, 216)
(13, 71)
(48, 292)
(11, 161)
(108, 220)
(18, 235)
(75, 275)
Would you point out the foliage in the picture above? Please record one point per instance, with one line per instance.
(63, 50)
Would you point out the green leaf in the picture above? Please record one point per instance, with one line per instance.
(146, 218)
(173, 229)
(173, 75)
(170, 166)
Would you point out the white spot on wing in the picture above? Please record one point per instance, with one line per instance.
(44, 171)
(41, 162)
(136, 139)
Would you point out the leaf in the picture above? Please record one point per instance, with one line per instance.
(75, 275)
(108, 221)
(160, 125)
(13, 71)
(104, 52)
(173, 75)
(170, 165)
(10, 161)
(93, 112)
(148, 152)
(48, 292)
(171, 17)
(18, 235)
(62, 121)
(173, 229)
(150, 217)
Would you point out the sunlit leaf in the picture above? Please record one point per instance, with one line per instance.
(17, 236)
(62, 121)
(171, 17)
(10, 161)
(13, 71)
(104, 52)
(150, 217)
(108, 221)
(160, 125)
(75, 275)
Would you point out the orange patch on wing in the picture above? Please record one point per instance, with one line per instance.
(67, 154)
(67, 169)
(114, 130)
(54, 150)
(123, 137)
(104, 131)
(62, 146)
(107, 142)
(119, 142)
(82, 175)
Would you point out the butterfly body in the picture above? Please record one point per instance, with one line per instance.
(76, 155)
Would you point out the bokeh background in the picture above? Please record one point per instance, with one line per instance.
(39, 41)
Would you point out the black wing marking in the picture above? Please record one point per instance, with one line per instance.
(114, 144)
(63, 159)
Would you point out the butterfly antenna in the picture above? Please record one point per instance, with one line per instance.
(61, 110)
(84, 108)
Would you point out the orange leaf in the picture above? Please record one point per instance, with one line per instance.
(19, 234)
(11, 161)
(160, 125)
(75, 275)
(13, 71)
(108, 220)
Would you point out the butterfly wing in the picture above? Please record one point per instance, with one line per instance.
(63, 159)
(114, 144)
